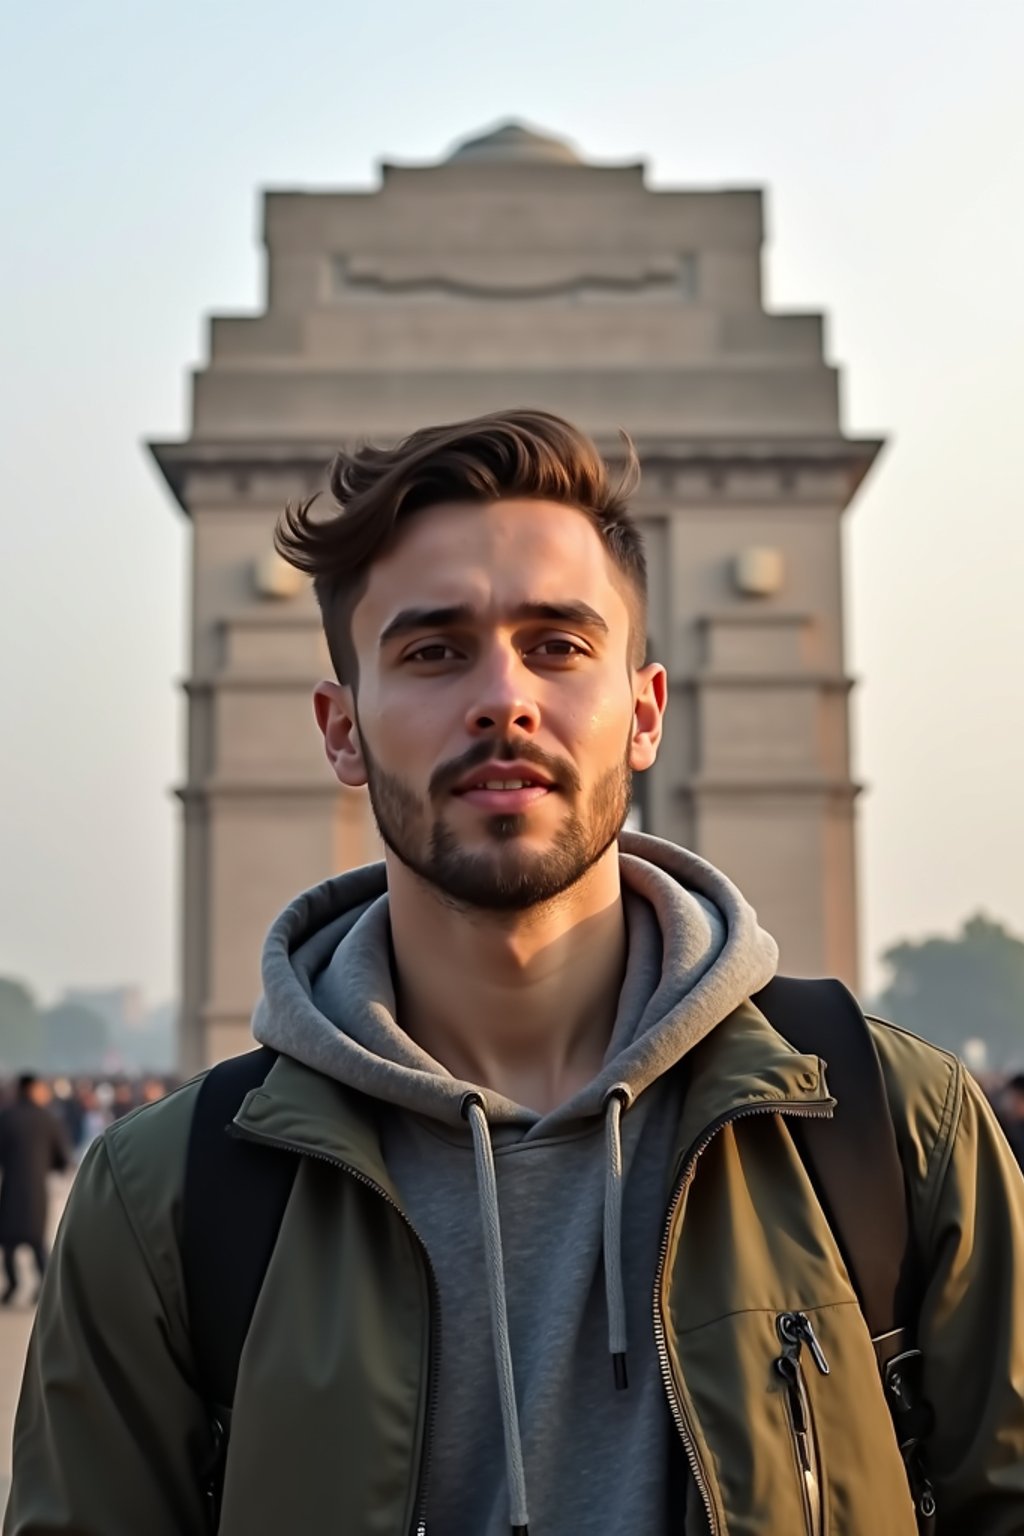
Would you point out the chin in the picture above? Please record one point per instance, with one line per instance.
(513, 878)
(503, 829)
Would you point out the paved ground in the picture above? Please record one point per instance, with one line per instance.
(15, 1323)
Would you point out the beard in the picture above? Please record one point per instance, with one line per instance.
(504, 876)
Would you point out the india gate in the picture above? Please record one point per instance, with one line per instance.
(516, 273)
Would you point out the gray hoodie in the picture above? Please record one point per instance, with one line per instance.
(543, 1231)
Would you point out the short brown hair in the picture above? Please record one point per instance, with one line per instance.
(518, 453)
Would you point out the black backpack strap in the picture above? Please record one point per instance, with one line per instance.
(852, 1158)
(235, 1195)
(854, 1163)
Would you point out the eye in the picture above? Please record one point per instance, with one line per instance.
(559, 646)
(436, 650)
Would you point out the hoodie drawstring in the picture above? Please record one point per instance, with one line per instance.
(616, 1099)
(487, 1187)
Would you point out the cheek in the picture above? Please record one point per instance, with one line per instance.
(400, 729)
(605, 723)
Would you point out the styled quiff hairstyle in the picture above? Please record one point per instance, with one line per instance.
(511, 454)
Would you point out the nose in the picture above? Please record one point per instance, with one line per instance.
(503, 698)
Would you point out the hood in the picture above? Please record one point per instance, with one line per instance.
(695, 952)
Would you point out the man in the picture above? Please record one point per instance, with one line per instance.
(550, 1259)
(1008, 1102)
(32, 1146)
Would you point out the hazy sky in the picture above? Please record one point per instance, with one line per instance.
(889, 137)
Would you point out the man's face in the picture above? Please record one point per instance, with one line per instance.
(496, 724)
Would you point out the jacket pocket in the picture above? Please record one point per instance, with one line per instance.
(795, 1332)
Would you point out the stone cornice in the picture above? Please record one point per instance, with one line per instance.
(755, 786)
(309, 457)
(251, 682)
(204, 791)
(300, 682)
(828, 682)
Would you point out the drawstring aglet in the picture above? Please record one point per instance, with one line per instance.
(520, 1530)
(621, 1374)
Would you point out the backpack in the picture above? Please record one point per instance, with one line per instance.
(236, 1192)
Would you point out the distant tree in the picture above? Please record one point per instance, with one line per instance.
(21, 1045)
(76, 1038)
(954, 990)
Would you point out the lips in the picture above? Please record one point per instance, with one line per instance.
(503, 778)
(505, 801)
(504, 788)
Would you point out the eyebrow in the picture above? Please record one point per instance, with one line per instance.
(411, 620)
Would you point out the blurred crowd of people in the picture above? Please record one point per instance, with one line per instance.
(1006, 1095)
(85, 1106)
(46, 1125)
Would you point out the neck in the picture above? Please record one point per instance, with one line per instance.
(521, 1003)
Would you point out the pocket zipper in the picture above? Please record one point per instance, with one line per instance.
(795, 1330)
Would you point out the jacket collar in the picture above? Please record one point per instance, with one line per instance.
(742, 1066)
(308, 1112)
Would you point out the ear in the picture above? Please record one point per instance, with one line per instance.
(334, 707)
(650, 695)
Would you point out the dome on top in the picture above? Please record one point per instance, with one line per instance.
(513, 144)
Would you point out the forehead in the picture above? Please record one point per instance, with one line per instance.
(494, 557)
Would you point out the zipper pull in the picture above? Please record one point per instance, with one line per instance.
(796, 1329)
(926, 1500)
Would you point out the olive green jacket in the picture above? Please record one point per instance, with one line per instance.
(331, 1423)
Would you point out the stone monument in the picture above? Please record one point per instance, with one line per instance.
(515, 273)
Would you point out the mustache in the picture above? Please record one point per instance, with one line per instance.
(562, 774)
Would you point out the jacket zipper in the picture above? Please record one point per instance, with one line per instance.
(786, 1107)
(419, 1525)
(795, 1330)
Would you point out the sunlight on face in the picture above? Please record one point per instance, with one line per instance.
(496, 700)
